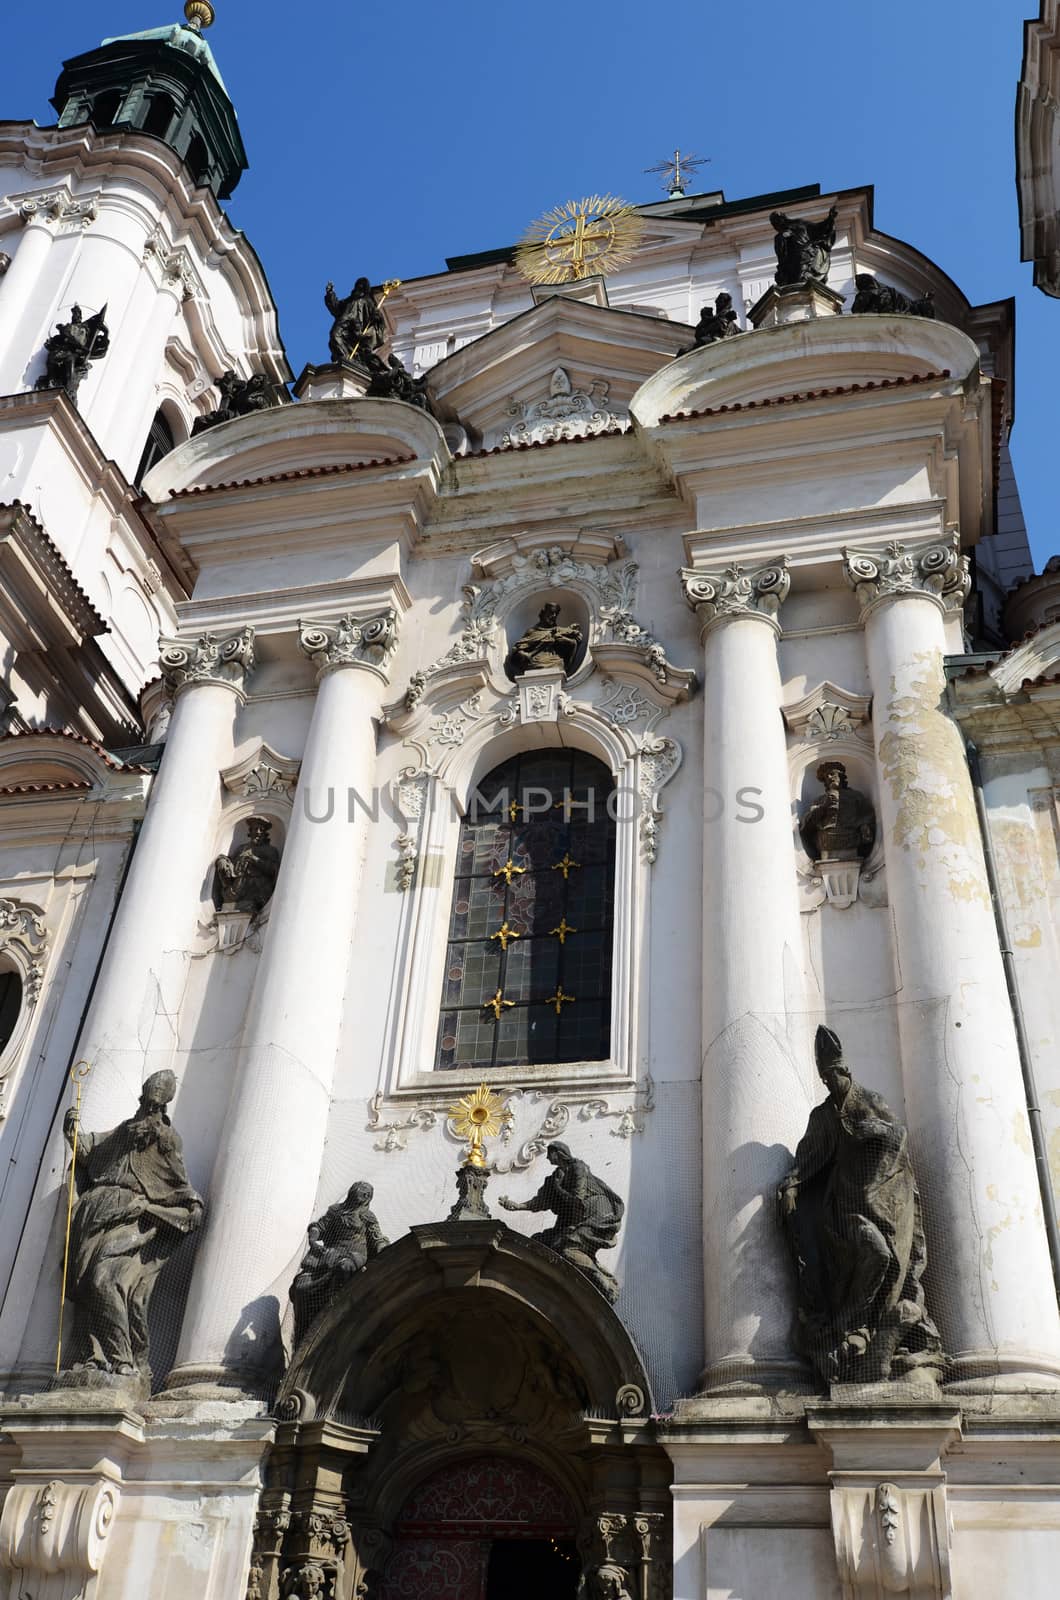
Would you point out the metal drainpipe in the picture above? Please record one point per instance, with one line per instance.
(1030, 1087)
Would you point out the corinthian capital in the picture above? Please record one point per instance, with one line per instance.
(226, 660)
(735, 592)
(350, 642)
(938, 571)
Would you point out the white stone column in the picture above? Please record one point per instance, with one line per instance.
(754, 1075)
(129, 1031)
(989, 1282)
(124, 405)
(20, 281)
(268, 1162)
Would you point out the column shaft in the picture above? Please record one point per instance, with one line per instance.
(755, 1069)
(988, 1265)
(130, 1030)
(268, 1163)
(16, 288)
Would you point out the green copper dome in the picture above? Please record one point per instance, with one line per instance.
(180, 37)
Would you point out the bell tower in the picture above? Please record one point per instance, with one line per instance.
(166, 82)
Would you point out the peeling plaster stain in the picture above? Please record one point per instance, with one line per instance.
(923, 764)
(1021, 1133)
(1054, 1161)
(1021, 872)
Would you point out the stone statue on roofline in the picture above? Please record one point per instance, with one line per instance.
(719, 323)
(358, 329)
(880, 298)
(70, 350)
(851, 1210)
(803, 248)
(240, 397)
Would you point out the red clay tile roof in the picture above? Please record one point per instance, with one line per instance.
(810, 394)
(289, 477)
(76, 738)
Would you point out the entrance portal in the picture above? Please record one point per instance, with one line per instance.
(488, 1529)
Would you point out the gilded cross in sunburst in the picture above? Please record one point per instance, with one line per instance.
(565, 866)
(507, 870)
(559, 1000)
(505, 934)
(562, 931)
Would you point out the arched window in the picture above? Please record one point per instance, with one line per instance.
(160, 442)
(528, 964)
(198, 159)
(105, 107)
(161, 109)
(10, 1005)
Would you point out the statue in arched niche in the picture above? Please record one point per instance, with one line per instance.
(244, 881)
(548, 644)
(840, 825)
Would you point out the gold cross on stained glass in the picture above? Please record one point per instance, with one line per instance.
(562, 931)
(508, 870)
(505, 934)
(514, 809)
(497, 1004)
(559, 1000)
(563, 866)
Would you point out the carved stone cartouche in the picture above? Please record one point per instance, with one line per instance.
(873, 296)
(803, 249)
(71, 348)
(341, 1242)
(840, 825)
(358, 328)
(851, 1210)
(240, 397)
(588, 1216)
(719, 323)
(245, 881)
(134, 1207)
(549, 644)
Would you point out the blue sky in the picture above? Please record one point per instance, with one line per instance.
(384, 138)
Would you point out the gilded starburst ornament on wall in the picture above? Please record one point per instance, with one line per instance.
(477, 1117)
(593, 235)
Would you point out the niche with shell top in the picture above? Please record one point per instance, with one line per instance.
(573, 611)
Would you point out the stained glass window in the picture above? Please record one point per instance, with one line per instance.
(528, 963)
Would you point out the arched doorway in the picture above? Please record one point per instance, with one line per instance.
(467, 1420)
(486, 1529)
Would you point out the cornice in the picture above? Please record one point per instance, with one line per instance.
(280, 610)
(43, 581)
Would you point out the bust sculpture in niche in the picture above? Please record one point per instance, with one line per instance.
(840, 825)
(547, 645)
(245, 881)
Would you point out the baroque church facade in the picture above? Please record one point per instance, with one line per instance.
(528, 880)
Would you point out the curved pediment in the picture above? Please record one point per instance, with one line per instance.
(51, 761)
(341, 1365)
(300, 439)
(502, 380)
(805, 358)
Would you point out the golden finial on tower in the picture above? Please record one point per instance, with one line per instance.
(200, 14)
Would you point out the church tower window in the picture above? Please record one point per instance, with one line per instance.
(528, 963)
(160, 441)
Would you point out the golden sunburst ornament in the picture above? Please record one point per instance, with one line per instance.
(476, 1117)
(593, 235)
